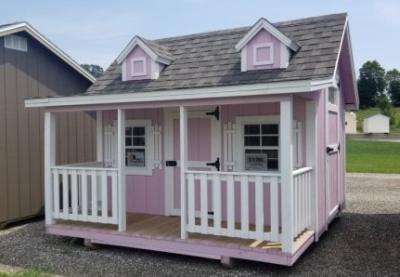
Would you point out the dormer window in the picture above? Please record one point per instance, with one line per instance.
(143, 59)
(263, 54)
(264, 46)
(138, 67)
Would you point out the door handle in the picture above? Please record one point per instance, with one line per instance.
(216, 164)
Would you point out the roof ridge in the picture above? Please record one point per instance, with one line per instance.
(243, 28)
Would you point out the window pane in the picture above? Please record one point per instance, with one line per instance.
(128, 141)
(138, 141)
(272, 164)
(252, 129)
(252, 141)
(128, 131)
(255, 161)
(270, 129)
(270, 141)
(138, 131)
(135, 157)
(272, 154)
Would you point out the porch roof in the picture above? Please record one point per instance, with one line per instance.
(211, 60)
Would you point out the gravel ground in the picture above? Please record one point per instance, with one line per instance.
(363, 241)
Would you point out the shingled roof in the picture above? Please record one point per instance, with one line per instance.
(210, 59)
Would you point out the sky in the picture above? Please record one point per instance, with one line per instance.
(95, 32)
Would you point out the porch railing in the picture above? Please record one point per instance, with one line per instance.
(85, 192)
(302, 206)
(245, 205)
(218, 216)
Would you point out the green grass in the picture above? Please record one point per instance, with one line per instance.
(25, 273)
(373, 156)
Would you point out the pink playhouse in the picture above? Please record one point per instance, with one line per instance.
(226, 145)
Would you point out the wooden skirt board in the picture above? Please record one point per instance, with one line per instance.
(162, 233)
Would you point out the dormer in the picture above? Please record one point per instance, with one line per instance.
(265, 47)
(143, 59)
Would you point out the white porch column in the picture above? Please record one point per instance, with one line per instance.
(311, 157)
(183, 157)
(49, 161)
(286, 165)
(99, 136)
(121, 172)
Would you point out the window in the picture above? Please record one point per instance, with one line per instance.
(135, 146)
(332, 96)
(263, 54)
(261, 147)
(16, 43)
(138, 67)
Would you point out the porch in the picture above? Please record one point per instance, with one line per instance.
(258, 215)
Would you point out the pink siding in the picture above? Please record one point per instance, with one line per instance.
(137, 52)
(145, 194)
(263, 37)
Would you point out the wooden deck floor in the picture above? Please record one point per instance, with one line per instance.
(168, 228)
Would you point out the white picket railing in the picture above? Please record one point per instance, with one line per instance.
(219, 224)
(302, 197)
(84, 193)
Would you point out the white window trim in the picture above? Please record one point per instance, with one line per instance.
(244, 120)
(143, 72)
(149, 147)
(270, 61)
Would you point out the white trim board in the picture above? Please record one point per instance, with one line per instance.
(24, 26)
(185, 94)
(262, 23)
(137, 41)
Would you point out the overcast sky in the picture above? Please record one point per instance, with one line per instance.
(96, 31)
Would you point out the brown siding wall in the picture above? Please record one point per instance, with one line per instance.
(36, 73)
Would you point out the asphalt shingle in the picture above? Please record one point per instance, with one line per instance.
(210, 59)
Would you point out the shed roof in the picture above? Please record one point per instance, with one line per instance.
(22, 26)
(211, 60)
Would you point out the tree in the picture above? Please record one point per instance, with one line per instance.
(94, 69)
(371, 83)
(393, 86)
(385, 106)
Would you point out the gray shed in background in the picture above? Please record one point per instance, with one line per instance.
(31, 66)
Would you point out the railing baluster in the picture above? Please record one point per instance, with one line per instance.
(217, 204)
(74, 192)
(114, 192)
(56, 191)
(274, 208)
(244, 196)
(203, 203)
(65, 194)
(230, 205)
(191, 202)
(104, 200)
(259, 208)
(295, 204)
(93, 176)
(84, 204)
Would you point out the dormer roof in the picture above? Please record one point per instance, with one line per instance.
(262, 23)
(157, 52)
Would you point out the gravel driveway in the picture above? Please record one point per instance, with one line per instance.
(363, 241)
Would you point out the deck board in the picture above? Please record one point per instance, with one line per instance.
(168, 227)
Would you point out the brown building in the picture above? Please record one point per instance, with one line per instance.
(32, 66)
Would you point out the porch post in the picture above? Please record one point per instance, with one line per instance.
(49, 161)
(121, 172)
(311, 158)
(183, 157)
(286, 165)
(99, 136)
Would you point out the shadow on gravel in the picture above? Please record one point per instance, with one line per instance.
(356, 244)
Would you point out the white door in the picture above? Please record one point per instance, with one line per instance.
(204, 139)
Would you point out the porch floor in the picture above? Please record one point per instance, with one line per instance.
(162, 233)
